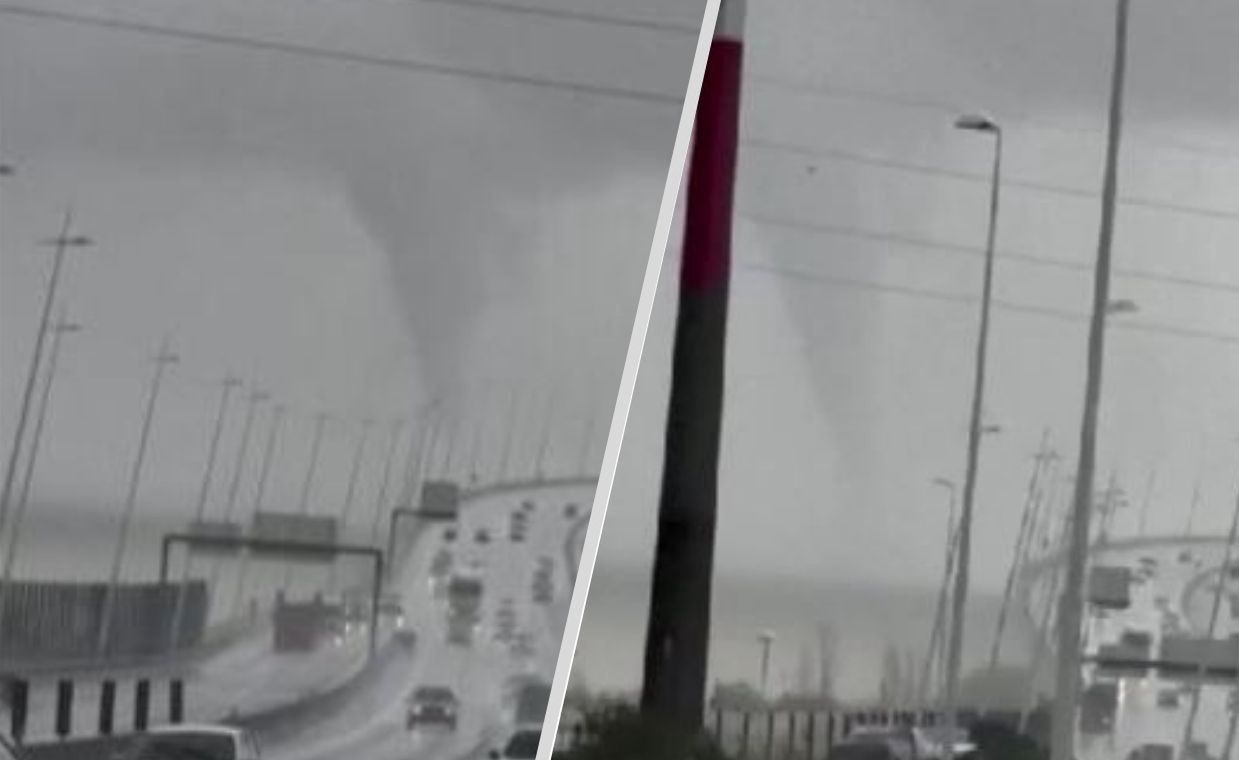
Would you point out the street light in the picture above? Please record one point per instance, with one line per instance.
(766, 640)
(62, 243)
(936, 633)
(985, 125)
(60, 329)
(162, 361)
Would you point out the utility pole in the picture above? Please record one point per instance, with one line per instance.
(1070, 618)
(59, 330)
(1214, 614)
(975, 432)
(162, 360)
(61, 244)
(678, 629)
(1040, 462)
(228, 384)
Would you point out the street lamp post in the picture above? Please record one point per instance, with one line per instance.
(350, 490)
(1211, 631)
(1070, 618)
(544, 441)
(61, 243)
(958, 602)
(59, 330)
(227, 385)
(380, 502)
(162, 361)
(766, 640)
(307, 484)
(935, 634)
(278, 413)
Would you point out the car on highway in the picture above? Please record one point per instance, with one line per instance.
(1152, 752)
(195, 742)
(518, 527)
(1185, 556)
(9, 750)
(571, 511)
(521, 745)
(482, 536)
(528, 506)
(449, 535)
(431, 705)
(1168, 699)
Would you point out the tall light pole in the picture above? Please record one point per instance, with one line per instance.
(1070, 618)
(307, 483)
(1191, 510)
(544, 440)
(959, 600)
(162, 361)
(227, 386)
(278, 412)
(508, 433)
(380, 501)
(59, 330)
(61, 244)
(1211, 631)
(350, 490)
(935, 634)
(766, 640)
(1148, 499)
(256, 397)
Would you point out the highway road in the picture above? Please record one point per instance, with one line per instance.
(1140, 719)
(372, 727)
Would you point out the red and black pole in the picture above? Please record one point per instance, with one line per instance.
(678, 634)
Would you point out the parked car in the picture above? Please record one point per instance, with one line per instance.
(521, 745)
(200, 742)
(435, 705)
(1152, 752)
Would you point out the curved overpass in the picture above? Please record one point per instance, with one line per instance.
(1182, 586)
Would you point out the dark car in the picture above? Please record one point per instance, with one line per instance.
(449, 535)
(482, 536)
(432, 705)
(571, 511)
(1152, 752)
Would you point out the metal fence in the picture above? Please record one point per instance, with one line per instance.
(55, 622)
(789, 734)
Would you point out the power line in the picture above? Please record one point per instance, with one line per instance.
(342, 56)
(939, 246)
(568, 14)
(841, 92)
(932, 170)
(851, 283)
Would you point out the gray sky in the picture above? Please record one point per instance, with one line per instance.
(842, 402)
(354, 237)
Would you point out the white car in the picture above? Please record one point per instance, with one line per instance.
(521, 745)
(200, 742)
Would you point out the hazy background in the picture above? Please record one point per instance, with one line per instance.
(843, 401)
(355, 238)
